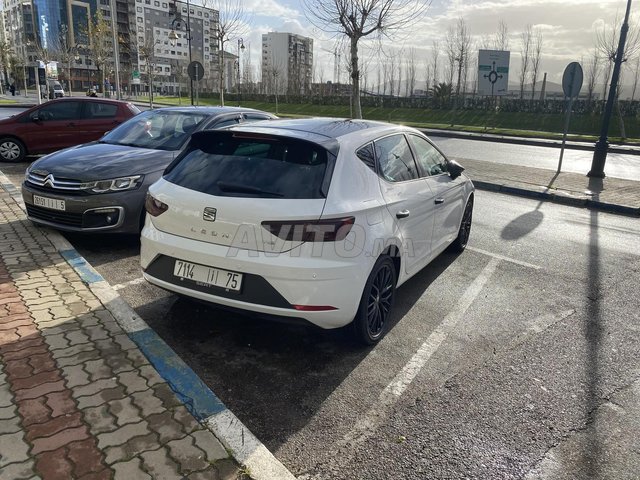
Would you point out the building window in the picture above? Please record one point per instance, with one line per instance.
(157, 4)
(139, 9)
(140, 20)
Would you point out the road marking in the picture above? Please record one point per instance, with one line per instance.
(366, 425)
(136, 281)
(506, 259)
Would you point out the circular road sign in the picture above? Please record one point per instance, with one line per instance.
(572, 80)
(195, 71)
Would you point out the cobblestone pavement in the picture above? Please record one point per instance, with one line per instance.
(78, 400)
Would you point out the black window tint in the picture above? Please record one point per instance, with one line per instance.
(395, 159)
(430, 160)
(226, 123)
(100, 110)
(239, 167)
(367, 156)
(58, 111)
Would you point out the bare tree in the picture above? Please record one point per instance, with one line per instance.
(636, 72)
(501, 38)
(461, 47)
(411, 72)
(100, 44)
(434, 62)
(525, 56)
(65, 52)
(357, 19)
(148, 52)
(536, 52)
(450, 47)
(607, 45)
(232, 23)
(593, 67)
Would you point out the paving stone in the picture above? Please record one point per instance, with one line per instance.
(7, 412)
(122, 434)
(35, 380)
(77, 337)
(160, 465)
(124, 341)
(147, 402)
(188, 422)
(96, 332)
(40, 390)
(53, 426)
(86, 457)
(47, 444)
(187, 455)
(101, 475)
(101, 397)
(10, 425)
(80, 358)
(166, 395)
(19, 471)
(151, 375)
(94, 387)
(206, 441)
(137, 358)
(75, 376)
(132, 381)
(98, 369)
(58, 341)
(100, 420)
(166, 426)
(54, 464)
(14, 449)
(72, 351)
(34, 410)
(125, 411)
(131, 470)
(131, 448)
(51, 303)
(20, 344)
(60, 403)
(228, 470)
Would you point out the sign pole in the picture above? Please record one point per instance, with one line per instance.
(571, 85)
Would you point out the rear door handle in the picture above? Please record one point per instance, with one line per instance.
(438, 201)
(402, 214)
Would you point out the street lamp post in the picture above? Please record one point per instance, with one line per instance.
(240, 49)
(173, 37)
(602, 145)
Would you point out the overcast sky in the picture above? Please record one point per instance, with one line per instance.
(568, 28)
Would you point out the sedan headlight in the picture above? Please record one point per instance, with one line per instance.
(114, 184)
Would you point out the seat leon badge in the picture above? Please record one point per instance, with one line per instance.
(209, 214)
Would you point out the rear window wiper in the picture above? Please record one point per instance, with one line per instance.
(239, 188)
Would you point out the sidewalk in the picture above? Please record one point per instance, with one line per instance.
(87, 390)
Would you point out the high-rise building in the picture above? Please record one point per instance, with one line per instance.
(287, 63)
(33, 27)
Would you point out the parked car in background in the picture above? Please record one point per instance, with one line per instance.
(316, 220)
(60, 124)
(55, 89)
(101, 186)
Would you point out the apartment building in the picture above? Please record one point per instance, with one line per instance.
(287, 63)
(143, 26)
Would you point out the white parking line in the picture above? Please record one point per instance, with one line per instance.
(506, 259)
(136, 281)
(366, 425)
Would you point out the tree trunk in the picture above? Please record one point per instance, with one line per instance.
(221, 80)
(69, 80)
(355, 79)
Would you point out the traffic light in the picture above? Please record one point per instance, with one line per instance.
(42, 76)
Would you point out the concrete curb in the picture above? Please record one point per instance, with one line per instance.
(203, 404)
(558, 197)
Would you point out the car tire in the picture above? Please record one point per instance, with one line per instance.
(460, 243)
(11, 150)
(372, 319)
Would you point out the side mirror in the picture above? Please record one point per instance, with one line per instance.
(455, 169)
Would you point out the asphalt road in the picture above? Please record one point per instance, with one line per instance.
(517, 358)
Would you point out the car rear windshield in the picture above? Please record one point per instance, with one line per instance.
(221, 164)
(159, 130)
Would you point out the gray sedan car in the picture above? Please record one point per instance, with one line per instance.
(101, 186)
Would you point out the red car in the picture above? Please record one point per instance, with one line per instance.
(60, 123)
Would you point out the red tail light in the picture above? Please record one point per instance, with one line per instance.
(332, 230)
(154, 207)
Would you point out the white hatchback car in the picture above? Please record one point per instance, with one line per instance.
(314, 219)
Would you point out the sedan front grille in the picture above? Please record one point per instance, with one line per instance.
(49, 182)
(55, 216)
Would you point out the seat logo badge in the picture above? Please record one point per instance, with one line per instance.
(209, 214)
(49, 180)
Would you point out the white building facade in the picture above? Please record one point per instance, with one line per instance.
(287, 63)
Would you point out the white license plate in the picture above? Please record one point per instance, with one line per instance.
(46, 202)
(208, 275)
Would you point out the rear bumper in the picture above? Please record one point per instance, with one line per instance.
(272, 283)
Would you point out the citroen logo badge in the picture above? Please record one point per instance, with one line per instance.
(209, 214)
(49, 180)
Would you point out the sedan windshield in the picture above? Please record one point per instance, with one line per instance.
(159, 130)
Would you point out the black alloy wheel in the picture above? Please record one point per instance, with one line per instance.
(460, 243)
(372, 319)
